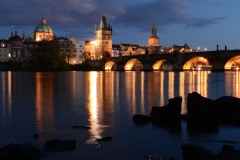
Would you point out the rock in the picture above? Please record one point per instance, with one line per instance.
(141, 119)
(201, 107)
(60, 145)
(82, 127)
(229, 109)
(35, 135)
(107, 138)
(26, 151)
(195, 152)
(228, 153)
(169, 113)
(202, 114)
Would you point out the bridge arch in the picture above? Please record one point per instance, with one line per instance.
(110, 66)
(133, 65)
(162, 65)
(197, 63)
(233, 64)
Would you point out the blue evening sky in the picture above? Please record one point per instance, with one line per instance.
(199, 23)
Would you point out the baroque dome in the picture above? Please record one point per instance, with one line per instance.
(43, 27)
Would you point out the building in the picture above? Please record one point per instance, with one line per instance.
(5, 50)
(43, 31)
(90, 48)
(103, 42)
(153, 40)
(79, 51)
(184, 48)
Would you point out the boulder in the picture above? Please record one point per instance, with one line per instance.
(106, 138)
(228, 153)
(229, 109)
(195, 152)
(169, 113)
(81, 127)
(26, 151)
(60, 145)
(141, 119)
(201, 107)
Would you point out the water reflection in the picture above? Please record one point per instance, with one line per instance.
(6, 92)
(94, 93)
(232, 80)
(44, 105)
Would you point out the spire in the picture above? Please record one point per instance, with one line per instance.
(44, 21)
(154, 31)
(103, 23)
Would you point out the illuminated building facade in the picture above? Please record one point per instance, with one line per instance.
(103, 44)
(4, 50)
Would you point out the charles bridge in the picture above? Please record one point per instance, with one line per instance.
(177, 61)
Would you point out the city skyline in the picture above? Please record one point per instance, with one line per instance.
(201, 24)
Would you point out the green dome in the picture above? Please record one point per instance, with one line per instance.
(43, 27)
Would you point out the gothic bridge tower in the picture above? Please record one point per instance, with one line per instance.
(103, 35)
(154, 40)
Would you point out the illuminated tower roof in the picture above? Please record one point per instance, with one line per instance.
(43, 31)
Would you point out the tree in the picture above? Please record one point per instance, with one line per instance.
(48, 57)
(67, 49)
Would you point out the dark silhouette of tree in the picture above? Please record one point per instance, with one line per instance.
(67, 49)
(48, 57)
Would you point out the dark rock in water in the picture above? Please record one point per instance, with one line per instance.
(169, 113)
(202, 114)
(141, 119)
(26, 151)
(82, 127)
(107, 138)
(35, 135)
(228, 153)
(229, 109)
(201, 107)
(195, 152)
(60, 145)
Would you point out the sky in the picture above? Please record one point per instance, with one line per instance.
(199, 23)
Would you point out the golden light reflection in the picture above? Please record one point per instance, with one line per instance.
(171, 84)
(142, 92)
(94, 84)
(10, 94)
(199, 82)
(162, 88)
(6, 81)
(182, 92)
(44, 105)
(232, 80)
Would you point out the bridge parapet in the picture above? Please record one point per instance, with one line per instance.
(217, 59)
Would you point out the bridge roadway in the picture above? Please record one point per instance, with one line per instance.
(218, 60)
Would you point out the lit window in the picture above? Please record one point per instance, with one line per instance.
(2, 44)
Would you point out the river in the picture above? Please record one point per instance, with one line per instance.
(50, 103)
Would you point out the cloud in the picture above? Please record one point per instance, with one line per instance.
(77, 18)
(203, 22)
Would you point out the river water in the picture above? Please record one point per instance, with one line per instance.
(50, 103)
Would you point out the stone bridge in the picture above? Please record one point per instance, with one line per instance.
(177, 61)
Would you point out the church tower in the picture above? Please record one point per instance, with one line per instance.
(154, 40)
(103, 35)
